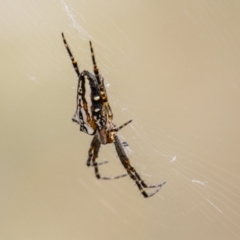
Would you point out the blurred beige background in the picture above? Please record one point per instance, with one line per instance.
(172, 67)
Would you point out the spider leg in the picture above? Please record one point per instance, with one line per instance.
(81, 115)
(132, 172)
(95, 68)
(120, 127)
(92, 156)
(74, 62)
(80, 79)
(139, 182)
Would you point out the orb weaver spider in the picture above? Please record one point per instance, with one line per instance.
(99, 123)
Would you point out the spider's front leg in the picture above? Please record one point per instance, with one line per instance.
(92, 156)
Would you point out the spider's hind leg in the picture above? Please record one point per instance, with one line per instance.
(139, 182)
(144, 193)
(132, 172)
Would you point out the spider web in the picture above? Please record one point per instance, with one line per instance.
(172, 68)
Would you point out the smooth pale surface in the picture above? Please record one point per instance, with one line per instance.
(172, 67)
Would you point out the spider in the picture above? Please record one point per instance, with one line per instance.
(99, 123)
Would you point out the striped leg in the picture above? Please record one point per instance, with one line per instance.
(92, 156)
(132, 172)
(120, 127)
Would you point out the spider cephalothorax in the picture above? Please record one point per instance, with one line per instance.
(98, 122)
